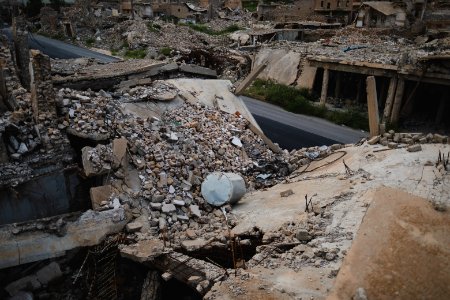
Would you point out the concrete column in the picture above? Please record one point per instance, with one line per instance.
(398, 101)
(323, 95)
(390, 99)
(372, 105)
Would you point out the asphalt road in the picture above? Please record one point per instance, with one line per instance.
(294, 130)
(58, 49)
(289, 137)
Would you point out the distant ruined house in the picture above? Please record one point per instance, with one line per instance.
(335, 11)
(381, 14)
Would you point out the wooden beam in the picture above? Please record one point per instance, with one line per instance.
(249, 79)
(398, 100)
(323, 95)
(372, 105)
(389, 99)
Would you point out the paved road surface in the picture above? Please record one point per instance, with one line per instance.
(311, 128)
(289, 137)
(58, 49)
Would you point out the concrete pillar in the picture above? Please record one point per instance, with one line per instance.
(323, 95)
(397, 101)
(390, 99)
(372, 105)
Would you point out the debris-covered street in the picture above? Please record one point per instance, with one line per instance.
(224, 150)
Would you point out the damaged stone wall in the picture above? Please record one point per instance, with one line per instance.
(20, 37)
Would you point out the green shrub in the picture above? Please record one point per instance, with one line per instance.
(207, 30)
(301, 101)
(250, 5)
(136, 54)
(165, 51)
(152, 27)
(90, 41)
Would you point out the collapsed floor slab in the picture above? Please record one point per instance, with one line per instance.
(29, 246)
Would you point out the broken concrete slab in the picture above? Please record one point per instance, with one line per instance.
(49, 273)
(134, 226)
(307, 77)
(89, 165)
(100, 194)
(26, 283)
(35, 281)
(197, 70)
(119, 151)
(132, 179)
(142, 251)
(193, 245)
(398, 229)
(88, 230)
(281, 65)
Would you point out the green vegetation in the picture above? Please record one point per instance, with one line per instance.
(165, 51)
(90, 42)
(250, 5)
(301, 101)
(153, 27)
(137, 54)
(207, 30)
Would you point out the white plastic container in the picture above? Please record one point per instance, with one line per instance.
(221, 188)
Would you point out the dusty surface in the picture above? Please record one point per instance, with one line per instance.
(340, 203)
(401, 251)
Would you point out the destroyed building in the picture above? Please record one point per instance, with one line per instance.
(152, 178)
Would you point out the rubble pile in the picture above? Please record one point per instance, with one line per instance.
(366, 45)
(168, 158)
(231, 64)
(84, 113)
(137, 34)
(296, 245)
(411, 141)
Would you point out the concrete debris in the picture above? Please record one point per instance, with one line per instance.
(33, 282)
(286, 193)
(414, 148)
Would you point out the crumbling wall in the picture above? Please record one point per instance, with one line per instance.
(20, 37)
(42, 93)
